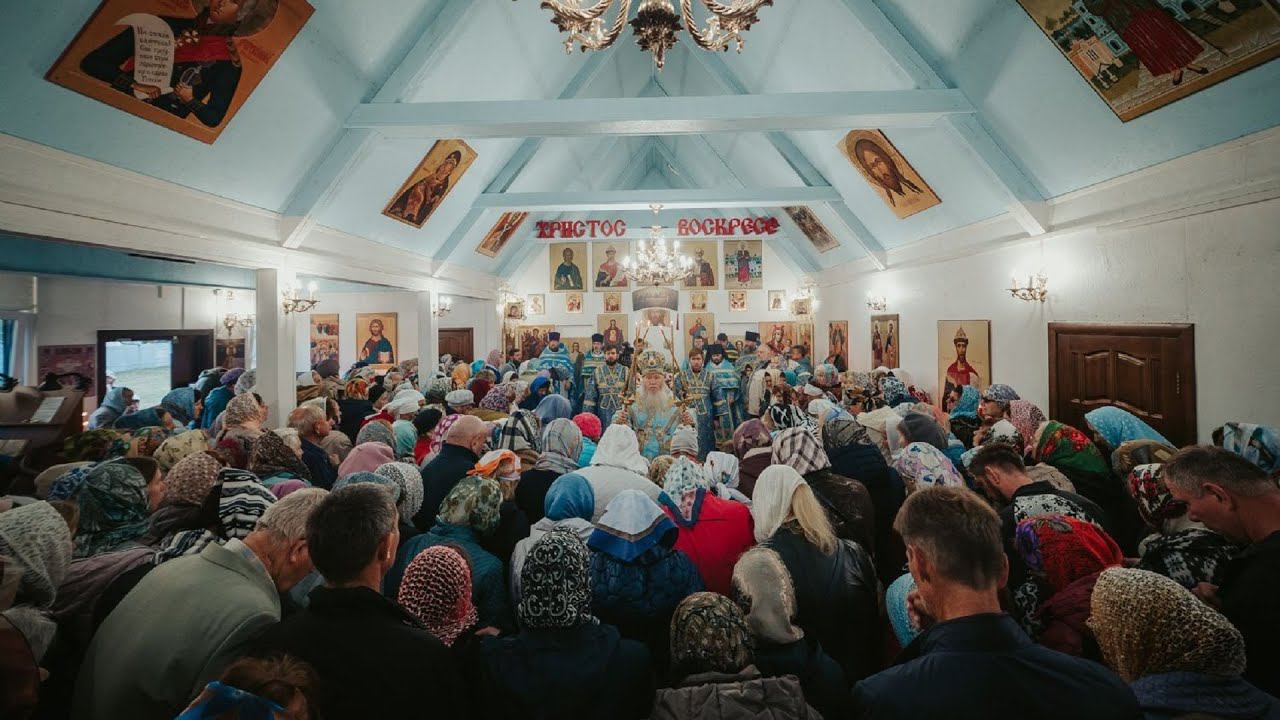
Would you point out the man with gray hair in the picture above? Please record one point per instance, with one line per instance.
(372, 658)
(190, 617)
(973, 658)
(1234, 497)
(313, 427)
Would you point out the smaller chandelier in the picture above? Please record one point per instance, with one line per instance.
(444, 306)
(654, 262)
(231, 321)
(877, 303)
(292, 301)
(1036, 289)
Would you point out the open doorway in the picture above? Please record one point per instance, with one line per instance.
(152, 362)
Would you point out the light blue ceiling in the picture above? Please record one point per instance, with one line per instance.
(1036, 106)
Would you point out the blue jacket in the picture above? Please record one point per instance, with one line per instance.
(1175, 694)
(983, 667)
(639, 597)
(488, 591)
(214, 405)
(323, 473)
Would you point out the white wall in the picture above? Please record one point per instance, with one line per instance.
(1217, 270)
(535, 277)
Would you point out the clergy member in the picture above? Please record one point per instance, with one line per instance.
(556, 356)
(654, 416)
(584, 368)
(694, 384)
(602, 394)
(726, 395)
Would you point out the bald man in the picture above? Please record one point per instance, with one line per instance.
(463, 444)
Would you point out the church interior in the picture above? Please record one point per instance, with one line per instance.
(684, 218)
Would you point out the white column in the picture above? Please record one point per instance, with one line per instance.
(428, 336)
(275, 346)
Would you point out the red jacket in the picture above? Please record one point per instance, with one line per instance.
(721, 531)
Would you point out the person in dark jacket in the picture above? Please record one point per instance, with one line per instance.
(561, 446)
(973, 661)
(1232, 496)
(355, 406)
(372, 658)
(712, 659)
(1180, 656)
(854, 455)
(637, 575)
(312, 426)
(463, 444)
(834, 579)
(763, 590)
(846, 501)
(564, 663)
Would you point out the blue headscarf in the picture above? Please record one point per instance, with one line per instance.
(895, 600)
(895, 391)
(114, 400)
(569, 496)
(553, 407)
(531, 402)
(790, 377)
(406, 437)
(140, 419)
(220, 701)
(968, 405)
(1118, 426)
(181, 404)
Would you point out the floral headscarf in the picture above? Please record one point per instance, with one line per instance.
(1147, 624)
(473, 503)
(1063, 549)
(377, 431)
(749, 436)
(356, 389)
(113, 508)
(411, 491)
(555, 582)
(1259, 444)
(435, 440)
(190, 481)
(92, 445)
(709, 634)
(561, 446)
(436, 590)
(241, 409)
(1000, 393)
(247, 381)
(272, 457)
(680, 488)
(799, 449)
(499, 398)
(1063, 446)
(1156, 504)
(1117, 426)
(437, 390)
(894, 391)
(921, 464)
(144, 442)
(38, 538)
(967, 406)
(1026, 417)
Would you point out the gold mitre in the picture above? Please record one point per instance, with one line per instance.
(651, 361)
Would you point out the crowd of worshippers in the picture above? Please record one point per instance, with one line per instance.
(474, 542)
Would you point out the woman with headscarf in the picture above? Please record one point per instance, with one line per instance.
(1072, 453)
(37, 541)
(919, 427)
(637, 575)
(617, 466)
(711, 653)
(184, 404)
(112, 408)
(366, 457)
(1180, 548)
(240, 501)
(923, 465)
(497, 402)
(1026, 417)
(881, 426)
(539, 388)
(114, 508)
(564, 663)
(763, 591)
(753, 446)
(274, 461)
(1181, 657)
(846, 501)
(435, 441)
(460, 374)
(964, 414)
(712, 532)
(241, 426)
(568, 505)
(409, 498)
(1113, 427)
(503, 467)
(354, 406)
(469, 512)
(553, 407)
(406, 436)
(520, 434)
(852, 454)
(147, 417)
(377, 431)
(835, 580)
(436, 591)
(721, 471)
(561, 446)
(591, 429)
(1066, 556)
(1259, 444)
(424, 423)
(216, 401)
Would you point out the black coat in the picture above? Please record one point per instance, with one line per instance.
(866, 464)
(438, 478)
(354, 411)
(984, 667)
(531, 494)
(820, 676)
(1250, 586)
(585, 672)
(323, 473)
(835, 599)
(372, 659)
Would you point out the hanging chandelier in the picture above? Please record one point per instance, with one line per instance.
(654, 262)
(655, 25)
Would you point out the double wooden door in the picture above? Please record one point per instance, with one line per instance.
(1149, 370)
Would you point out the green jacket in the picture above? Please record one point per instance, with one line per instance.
(173, 633)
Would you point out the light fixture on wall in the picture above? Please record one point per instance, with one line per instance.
(231, 321)
(877, 303)
(443, 306)
(1036, 289)
(292, 300)
(805, 301)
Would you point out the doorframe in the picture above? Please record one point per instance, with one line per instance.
(470, 331)
(106, 336)
(1175, 331)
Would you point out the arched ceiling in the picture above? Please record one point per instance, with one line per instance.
(984, 107)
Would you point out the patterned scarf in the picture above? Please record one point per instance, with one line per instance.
(561, 446)
(763, 590)
(799, 449)
(92, 445)
(1063, 446)
(181, 404)
(894, 391)
(555, 582)
(519, 432)
(377, 431)
(436, 590)
(241, 409)
(411, 491)
(499, 399)
(842, 432)
(272, 457)
(921, 465)
(680, 488)
(709, 634)
(190, 481)
(749, 436)
(242, 501)
(967, 406)
(1118, 426)
(473, 503)
(1259, 444)
(435, 441)
(1026, 417)
(36, 536)
(1063, 549)
(1140, 452)
(144, 442)
(1155, 503)
(113, 508)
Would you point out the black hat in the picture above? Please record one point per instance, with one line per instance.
(597, 337)
(553, 335)
(752, 336)
(716, 349)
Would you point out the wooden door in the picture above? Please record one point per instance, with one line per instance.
(457, 342)
(1149, 370)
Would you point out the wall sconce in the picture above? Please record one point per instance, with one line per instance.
(234, 320)
(1036, 289)
(877, 303)
(443, 307)
(293, 302)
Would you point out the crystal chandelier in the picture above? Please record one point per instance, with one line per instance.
(655, 25)
(654, 262)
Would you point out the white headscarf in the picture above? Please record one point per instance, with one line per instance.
(771, 500)
(306, 379)
(721, 468)
(406, 401)
(620, 448)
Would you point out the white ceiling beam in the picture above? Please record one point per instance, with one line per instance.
(314, 192)
(578, 117)
(672, 199)
(1025, 202)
